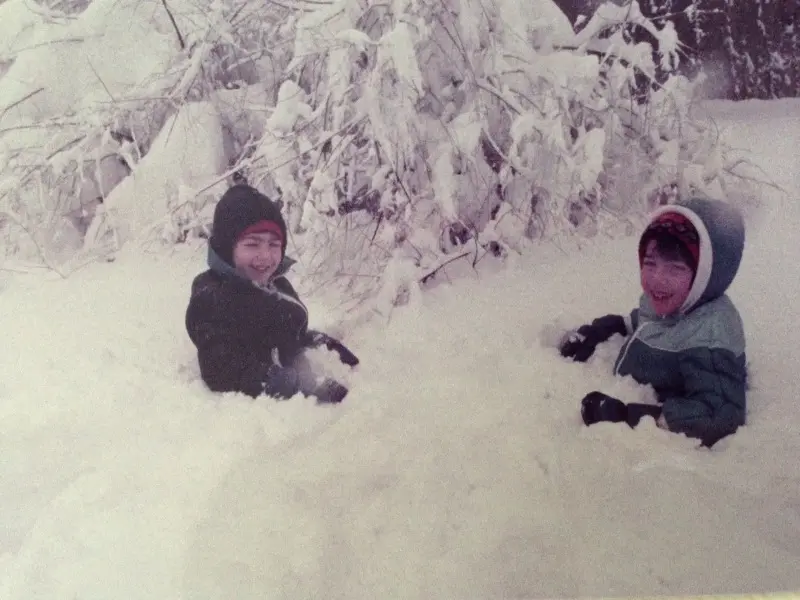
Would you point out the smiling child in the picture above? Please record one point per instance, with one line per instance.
(686, 339)
(246, 320)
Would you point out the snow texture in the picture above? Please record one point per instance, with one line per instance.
(458, 466)
(189, 149)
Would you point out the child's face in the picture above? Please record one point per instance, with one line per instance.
(257, 256)
(665, 282)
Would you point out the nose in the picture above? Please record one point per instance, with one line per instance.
(263, 257)
(659, 279)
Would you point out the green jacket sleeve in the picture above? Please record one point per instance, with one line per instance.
(713, 402)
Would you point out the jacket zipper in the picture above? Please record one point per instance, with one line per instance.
(628, 347)
(271, 289)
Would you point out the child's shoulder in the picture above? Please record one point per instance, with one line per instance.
(717, 324)
(210, 287)
(205, 282)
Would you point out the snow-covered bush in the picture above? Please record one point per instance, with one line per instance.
(407, 131)
(398, 135)
(128, 106)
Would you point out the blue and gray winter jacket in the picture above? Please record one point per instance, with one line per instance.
(695, 360)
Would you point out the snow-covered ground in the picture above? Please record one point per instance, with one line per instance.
(458, 467)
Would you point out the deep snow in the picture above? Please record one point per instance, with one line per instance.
(457, 467)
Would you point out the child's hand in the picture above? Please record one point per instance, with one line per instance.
(347, 357)
(579, 345)
(282, 382)
(597, 406)
(315, 339)
(330, 392)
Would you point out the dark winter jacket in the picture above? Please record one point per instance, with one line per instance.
(242, 331)
(696, 360)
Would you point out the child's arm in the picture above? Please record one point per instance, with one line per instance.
(713, 404)
(225, 363)
(581, 344)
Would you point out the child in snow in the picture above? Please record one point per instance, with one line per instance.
(686, 339)
(245, 318)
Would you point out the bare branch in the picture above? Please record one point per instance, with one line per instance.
(174, 25)
(26, 97)
(433, 273)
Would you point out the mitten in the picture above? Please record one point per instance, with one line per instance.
(597, 406)
(315, 339)
(581, 344)
(330, 392)
(281, 382)
(347, 357)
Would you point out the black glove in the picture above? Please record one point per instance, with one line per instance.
(281, 382)
(597, 406)
(330, 392)
(314, 339)
(581, 344)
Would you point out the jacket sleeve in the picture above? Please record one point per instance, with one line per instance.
(713, 404)
(315, 339)
(603, 328)
(225, 365)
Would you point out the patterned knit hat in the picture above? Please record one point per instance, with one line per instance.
(677, 226)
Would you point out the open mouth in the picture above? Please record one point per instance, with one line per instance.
(660, 297)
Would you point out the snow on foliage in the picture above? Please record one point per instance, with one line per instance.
(390, 132)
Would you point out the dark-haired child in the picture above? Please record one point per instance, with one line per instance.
(246, 320)
(686, 339)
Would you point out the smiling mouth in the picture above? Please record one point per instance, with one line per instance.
(660, 297)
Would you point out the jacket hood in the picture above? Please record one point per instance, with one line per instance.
(720, 228)
(216, 264)
(240, 207)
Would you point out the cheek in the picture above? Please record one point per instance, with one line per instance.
(241, 256)
(684, 285)
(645, 276)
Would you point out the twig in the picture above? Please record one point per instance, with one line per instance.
(249, 161)
(377, 227)
(432, 274)
(174, 25)
(66, 146)
(103, 83)
(16, 221)
(20, 101)
(52, 42)
(730, 171)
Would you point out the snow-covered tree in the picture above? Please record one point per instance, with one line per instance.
(758, 40)
(762, 43)
(399, 136)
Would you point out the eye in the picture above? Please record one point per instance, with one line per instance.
(678, 268)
